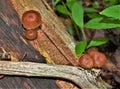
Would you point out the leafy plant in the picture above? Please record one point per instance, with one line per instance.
(80, 47)
(112, 15)
(108, 18)
(97, 41)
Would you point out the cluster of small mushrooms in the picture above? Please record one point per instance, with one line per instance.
(92, 59)
(31, 20)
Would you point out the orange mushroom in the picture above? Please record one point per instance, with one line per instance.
(31, 19)
(86, 61)
(99, 58)
(31, 34)
(92, 49)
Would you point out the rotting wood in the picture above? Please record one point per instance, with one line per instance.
(83, 78)
(59, 41)
(11, 36)
(12, 41)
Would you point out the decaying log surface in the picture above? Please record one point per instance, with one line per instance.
(79, 76)
(11, 35)
(21, 82)
(12, 41)
(57, 46)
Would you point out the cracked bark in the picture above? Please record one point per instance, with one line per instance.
(83, 78)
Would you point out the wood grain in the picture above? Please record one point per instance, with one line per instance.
(57, 37)
(83, 78)
(12, 40)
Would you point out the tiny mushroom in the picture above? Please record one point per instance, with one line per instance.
(86, 61)
(98, 58)
(31, 19)
(31, 34)
(92, 59)
(95, 49)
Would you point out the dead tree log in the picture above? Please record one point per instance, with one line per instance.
(11, 35)
(12, 41)
(57, 46)
(83, 78)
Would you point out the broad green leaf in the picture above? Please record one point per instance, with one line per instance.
(98, 41)
(97, 23)
(62, 9)
(77, 14)
(70, 4)
(113, 11)
(80, 47)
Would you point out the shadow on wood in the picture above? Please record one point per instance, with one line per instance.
(11, 33)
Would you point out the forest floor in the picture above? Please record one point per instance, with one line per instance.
(110, 73)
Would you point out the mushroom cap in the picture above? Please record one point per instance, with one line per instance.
(99, 59)
(31, 19)
(92, 49)
(86, 61)
(30, 34)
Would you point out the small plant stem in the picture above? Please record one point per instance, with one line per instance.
(83, 33)
(66, 8)
(77, 32)
(76, 29)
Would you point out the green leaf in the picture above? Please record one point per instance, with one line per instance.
(80, 47)
(77, 14)
(62, 9)
(70, 4)
(113, 11)
(97, 23)
(98, 41)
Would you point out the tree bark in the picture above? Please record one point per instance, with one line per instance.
(83, 78)
(12, 38)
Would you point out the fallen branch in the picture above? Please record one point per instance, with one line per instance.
(83, 78)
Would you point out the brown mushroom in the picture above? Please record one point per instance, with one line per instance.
(92, 49)
(86, 61)
(31, 19)
(99, 58)
(30, 34)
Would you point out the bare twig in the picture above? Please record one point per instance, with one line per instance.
(83, 78)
